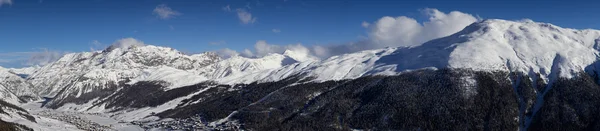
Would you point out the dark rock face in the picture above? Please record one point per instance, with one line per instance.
(148, 94)
(571, 104)
(8, 126)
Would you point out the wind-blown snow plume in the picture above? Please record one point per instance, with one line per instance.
(388, 31)
(262, 48)
(44, 57)
(227, 53)
(126, 43)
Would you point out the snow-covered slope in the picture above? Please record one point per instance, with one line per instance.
(522, 46)
(79, 73)
(345, 66)
(174, 77)
(14, 89)
(489, 45)
(26, 71)
(518, 46)
(238, 65)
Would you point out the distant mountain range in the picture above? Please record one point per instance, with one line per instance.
(494, 74)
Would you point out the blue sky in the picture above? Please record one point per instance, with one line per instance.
(28, 26)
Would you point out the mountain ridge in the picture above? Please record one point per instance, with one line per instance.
(525, 55)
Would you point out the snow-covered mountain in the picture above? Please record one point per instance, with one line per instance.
(80, 73)
(14, 89)
(238, 66)
(489, 45)
(140, 82)
(25, 72)
(12, 117)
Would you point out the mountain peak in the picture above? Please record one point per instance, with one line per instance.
(113, 67)
(522, 46)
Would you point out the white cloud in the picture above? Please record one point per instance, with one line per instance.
(365, 24)
(44, 57)
(164, 12)
(262, 48)
(405, 31)
(401, 31)
(227, 53)
(226, 8)
(388, 31)
(9, 2)
(247, 53)
(125, 43)
(245, 16)
(276, 30)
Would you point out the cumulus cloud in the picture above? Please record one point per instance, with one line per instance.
(125, 43)
(405, 31)
(388, 31)
(402, 31)
(262, 48)
(164, 12)
(8, 2)
(276, 30)
(245, 16)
